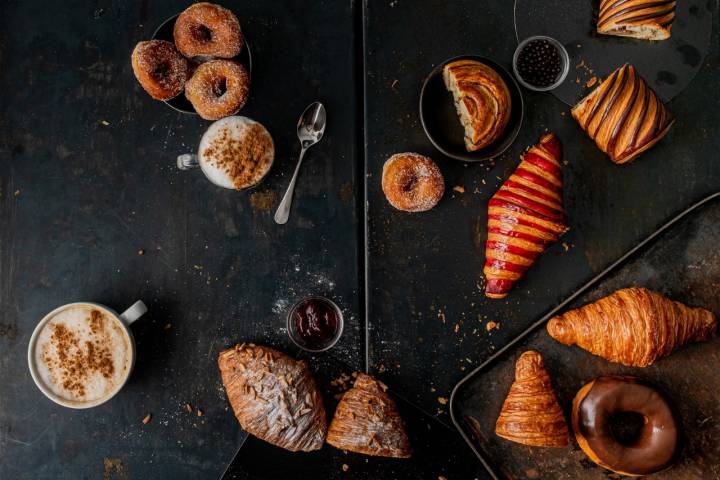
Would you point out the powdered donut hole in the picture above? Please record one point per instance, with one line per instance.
(412, 182)
(208, 30)
(159, 68)
(218, 88)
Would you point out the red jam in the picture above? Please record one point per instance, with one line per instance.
(316, 322)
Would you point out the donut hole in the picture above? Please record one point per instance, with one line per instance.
(627, 427)
(201, 33)
(219, 86)
(408, 183)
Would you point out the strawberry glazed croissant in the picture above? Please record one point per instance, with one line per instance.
(633, 326)
(524, 216)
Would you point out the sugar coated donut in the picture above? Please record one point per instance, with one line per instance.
(218, 88)
(159, 68)
(208, 30)
(412, 182)
(647, 448)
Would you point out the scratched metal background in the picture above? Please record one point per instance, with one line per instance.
(217, 270)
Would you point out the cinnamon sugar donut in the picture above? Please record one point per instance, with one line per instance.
(412, 182)
(206, 29)
(159, 68)
(218, 88)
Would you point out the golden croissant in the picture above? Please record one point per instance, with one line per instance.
(623, 115)
(524, 216)
(367, 421)
(531, 414)
(633, 326)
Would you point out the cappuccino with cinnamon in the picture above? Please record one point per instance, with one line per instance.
(82, 355)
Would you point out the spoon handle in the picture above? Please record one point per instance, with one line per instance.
(283, 211)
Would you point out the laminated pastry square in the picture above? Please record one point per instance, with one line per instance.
(644, 19)
(623, 115)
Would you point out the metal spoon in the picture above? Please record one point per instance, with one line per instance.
(310, 129)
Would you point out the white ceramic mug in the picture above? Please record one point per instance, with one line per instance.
(122, 320)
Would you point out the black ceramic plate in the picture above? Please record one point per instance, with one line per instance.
(181, 103)
(441, 123)
(667, 65)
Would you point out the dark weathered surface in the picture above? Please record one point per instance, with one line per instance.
(428, 314)
(688, 376)
(216, 268)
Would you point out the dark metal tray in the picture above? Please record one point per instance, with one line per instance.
(674, 261)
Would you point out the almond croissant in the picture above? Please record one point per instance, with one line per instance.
(367, 421)
(633, 326)
(524, 216)
(531, 414)
(274, 397)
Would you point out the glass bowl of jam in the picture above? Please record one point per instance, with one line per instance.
(540, 63)
(315, 323)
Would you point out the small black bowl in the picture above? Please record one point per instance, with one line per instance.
(181, 103)
(441, 123)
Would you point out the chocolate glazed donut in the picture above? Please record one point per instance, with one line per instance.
(656, 443)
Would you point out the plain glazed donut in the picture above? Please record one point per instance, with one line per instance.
(218, 88)
(159, 68)
(412, 182)
(656, 443)
(208, 30)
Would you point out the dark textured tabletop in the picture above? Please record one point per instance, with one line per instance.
(88, 182)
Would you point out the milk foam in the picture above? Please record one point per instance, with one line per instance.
(83, 357)
(229, 131)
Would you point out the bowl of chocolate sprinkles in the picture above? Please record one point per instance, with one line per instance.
(540, 63)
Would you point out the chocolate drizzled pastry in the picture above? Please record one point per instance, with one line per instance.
(367, 421)
(274, 397)
(623, 115)
(645, 19)
(531, 414)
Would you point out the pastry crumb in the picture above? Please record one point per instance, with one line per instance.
(17, 193)
(442, 400)
(147, 419)
(141, 252)
(492, 325)
(188, 407)
(459, 189)
(105, 122)
(345, 467)
(591, 82)
(200, 413)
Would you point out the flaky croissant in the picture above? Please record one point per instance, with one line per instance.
(524, 216)
(646, 19)
(367, 421)
(274, 397)
(623, 115)
(531, 414)
(633, 326)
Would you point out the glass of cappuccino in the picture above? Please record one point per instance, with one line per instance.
(81, 354)
(235, 153)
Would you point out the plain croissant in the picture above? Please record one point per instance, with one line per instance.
(531, 414)
(524, 216)
(633, 326)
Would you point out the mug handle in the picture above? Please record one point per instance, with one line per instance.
(187, 161)
(135, 311)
